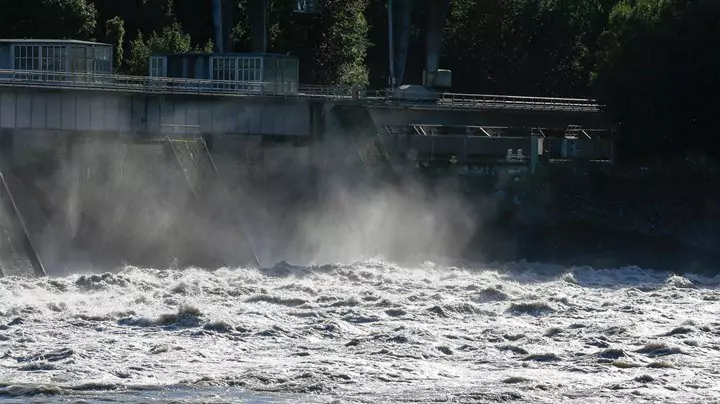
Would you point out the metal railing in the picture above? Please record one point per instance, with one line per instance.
(165, 85)
(169, 85)
(489, 101)
(518, 102)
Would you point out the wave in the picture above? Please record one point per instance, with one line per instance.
(367, 331)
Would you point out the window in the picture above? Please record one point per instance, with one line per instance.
(218, 71)
(62, 57)
(78, 59)
(158, 66)
(231, 69)
(27, 57)
(103, 56)
(236, 69)
(248, 69)
(103, 62)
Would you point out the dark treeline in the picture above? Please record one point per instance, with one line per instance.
(654, 63)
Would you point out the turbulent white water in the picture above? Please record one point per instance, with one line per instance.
(368, 332)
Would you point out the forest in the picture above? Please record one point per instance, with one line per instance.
(653, 64)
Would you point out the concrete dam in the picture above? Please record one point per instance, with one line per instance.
(116, 170)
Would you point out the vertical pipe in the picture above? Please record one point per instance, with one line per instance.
(228, 16)
(402, 12)
(265, 15)
(436, 10)
(258, 16)
(391, 47)
(218, 20)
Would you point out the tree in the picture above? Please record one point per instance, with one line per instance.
(633, 76)
(658, 74)
(171, 39)
(340, 56)
(115, 34)
(73, 19)
(330, 45)
(533, 47)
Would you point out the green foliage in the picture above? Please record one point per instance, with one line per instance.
(171, 39)
(657, 73)
(115, 34)
(534, 47)
(207, 48)
(340, 57)
(654, 63)
(137, 64)
(331, 45)
(47, 19)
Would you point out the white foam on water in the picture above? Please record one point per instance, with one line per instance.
(367, 332)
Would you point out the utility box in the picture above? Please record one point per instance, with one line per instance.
(440, 79)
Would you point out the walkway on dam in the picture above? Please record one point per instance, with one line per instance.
(169, 86)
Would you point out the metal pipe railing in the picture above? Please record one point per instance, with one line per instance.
(459, 100)
(171, 85)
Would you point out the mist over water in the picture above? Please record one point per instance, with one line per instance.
(394, 222)
(357, 298)
(115, 201)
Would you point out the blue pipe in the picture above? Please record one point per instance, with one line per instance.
(436, 11)
(402, 11)
(218, 21)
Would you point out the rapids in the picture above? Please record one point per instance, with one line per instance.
(368, 332)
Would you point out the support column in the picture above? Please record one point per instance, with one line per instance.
(400, 13)
(223, 20)
(436, 12)
(258, 11)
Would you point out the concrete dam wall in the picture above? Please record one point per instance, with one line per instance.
(97, 111)
(97, 180)
(109, 202)
(113, 179)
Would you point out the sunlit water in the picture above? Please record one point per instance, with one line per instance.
(369, 332)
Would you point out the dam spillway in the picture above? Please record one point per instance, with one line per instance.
(119, 167)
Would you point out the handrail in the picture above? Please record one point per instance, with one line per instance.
(171, 85)
(475, 101)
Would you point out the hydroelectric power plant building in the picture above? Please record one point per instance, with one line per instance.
(84, 149)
